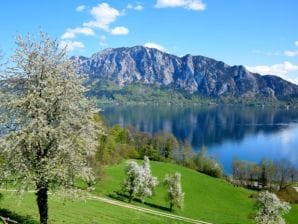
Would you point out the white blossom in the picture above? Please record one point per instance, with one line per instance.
(175, 194)
(47, 122)
(139, 182)
(132, 182)
(271, 209)
(148, 182)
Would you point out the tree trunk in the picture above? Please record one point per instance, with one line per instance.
(42, 202)
(130, 197)
(171, 206)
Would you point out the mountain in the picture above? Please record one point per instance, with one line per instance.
(193, 74)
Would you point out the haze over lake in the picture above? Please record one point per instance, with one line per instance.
(246, 133)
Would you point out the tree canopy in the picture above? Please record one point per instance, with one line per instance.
(46, 121)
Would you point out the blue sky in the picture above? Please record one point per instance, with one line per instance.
(260, 34)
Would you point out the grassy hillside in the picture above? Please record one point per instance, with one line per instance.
(74, 212)
(206, 198)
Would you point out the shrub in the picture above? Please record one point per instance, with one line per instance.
(271, 209)
(207, 165)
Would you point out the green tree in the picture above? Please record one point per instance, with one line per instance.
(206, 164)
(165, 143)
(49, 130)
(175, 194)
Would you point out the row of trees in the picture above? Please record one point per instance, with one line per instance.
(272, 175)
(120, 143)
(140, 183)
(200, 161)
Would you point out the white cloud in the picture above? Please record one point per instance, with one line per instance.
(296, 43)
(154, 45)
(187, 4)
(80, 8)
(291, 53)
(137, 7)
(71, 45)
(103, 15)
(71, 33)
(119, 30)
(281, 70)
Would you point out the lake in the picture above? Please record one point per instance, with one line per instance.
(228, 132)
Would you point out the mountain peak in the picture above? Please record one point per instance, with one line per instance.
(195, 74)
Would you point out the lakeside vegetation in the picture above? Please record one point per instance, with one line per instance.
(108, 92)
(121, 143)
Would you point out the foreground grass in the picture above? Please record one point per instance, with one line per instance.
(74, 212)
(292, 217)
(206, 198)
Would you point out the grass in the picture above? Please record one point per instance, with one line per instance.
(292, 216)
(74, 212)
(206, 198)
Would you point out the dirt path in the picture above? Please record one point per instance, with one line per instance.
(146, 210)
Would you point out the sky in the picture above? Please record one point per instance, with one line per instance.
(259, 34)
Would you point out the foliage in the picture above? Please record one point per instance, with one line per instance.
(139, 182)
(132, 182)
(175, 195)
(115, 146)
(127, 143)
(271, 175)
(49, 128)
(288, 194)
(207, 165)
(148, 182)
(271, 209)
(110, 92)
(165, 143)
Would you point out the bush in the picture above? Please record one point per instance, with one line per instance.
(271, 209)
(207, 165)
(288, 194)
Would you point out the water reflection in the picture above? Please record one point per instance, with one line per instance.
(227, 131)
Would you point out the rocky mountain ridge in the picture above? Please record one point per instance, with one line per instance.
(194, 74)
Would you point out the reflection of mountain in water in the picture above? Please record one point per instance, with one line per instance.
(211, 125)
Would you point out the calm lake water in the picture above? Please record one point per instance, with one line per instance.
(228, 132)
